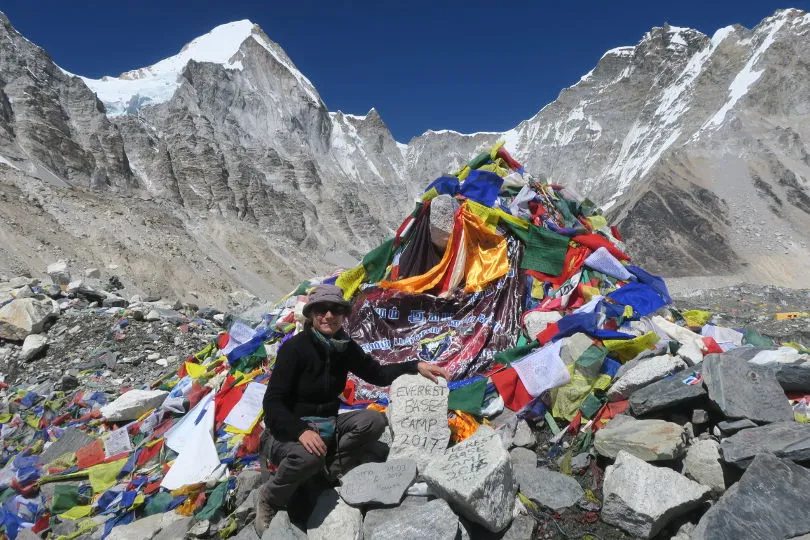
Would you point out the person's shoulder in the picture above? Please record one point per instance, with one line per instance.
(296, 342)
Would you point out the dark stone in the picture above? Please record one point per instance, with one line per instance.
(114, 302)
(730, 428)
(794, 377)
(790, 440)
(769, 501)
(666, 393)
(70, 441)
(742, 390)
(67, 382)
(207, 313)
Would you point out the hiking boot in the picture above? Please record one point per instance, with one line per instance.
(264, 512)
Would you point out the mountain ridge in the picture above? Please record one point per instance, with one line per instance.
(244, 162)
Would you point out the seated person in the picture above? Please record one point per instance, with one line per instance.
(306, 434)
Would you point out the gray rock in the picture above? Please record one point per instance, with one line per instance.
(551, 489)
(729, 428)
(247, 532)
(33, 346)
(378, 516)
(246, 510)
(146, 528)
(523, 457)
(702, 464)
(684, 532)
(200, 529)
(24, 316)
(281, 528)
(332, 518)
(175, 529)
(742, 390)
(59, 273)
(794, 377)
(790, 440)
(113, 301)
(521, 528)
(433, 520)
(700, 416)
(133, 404)
(378, 483)
(93, 273)
(70, 441)
(22, 281)
(666, 393)
(769, 501)
(417, 416)
(641, 499)
(246, 482)
(650, 440)
(524, 436)
(66, 382)
(476, 478)
(645, 372)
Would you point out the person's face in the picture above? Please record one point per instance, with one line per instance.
(328, 318)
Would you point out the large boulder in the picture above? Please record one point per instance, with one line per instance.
(25, 316)
(33, 345)
(650, 440)
(432, 519)
(476, 478)
(131, 405)
(59, 273)
(667, 393)
(148, 527)
(789, 440)
(743, 390)
(549, 488)
(641, 498)
(769, 501)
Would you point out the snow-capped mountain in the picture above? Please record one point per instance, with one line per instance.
(220, 167)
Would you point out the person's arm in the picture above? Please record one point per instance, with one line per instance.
(281, 421)
(368, 369)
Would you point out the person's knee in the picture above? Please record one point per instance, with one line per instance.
(370, 424)
(305, 463)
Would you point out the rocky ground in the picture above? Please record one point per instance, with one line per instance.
(98, 342)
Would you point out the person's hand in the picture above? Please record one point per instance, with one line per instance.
(431, 371)
(312, 443)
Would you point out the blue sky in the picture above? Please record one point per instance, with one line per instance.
(468, 66)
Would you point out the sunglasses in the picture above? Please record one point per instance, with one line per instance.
(336, 309)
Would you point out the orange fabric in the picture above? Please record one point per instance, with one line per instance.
(607, 412)
(485, 259)
(462, 425)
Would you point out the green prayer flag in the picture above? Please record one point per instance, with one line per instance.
(376, 261)
(756, 339)
(158, 504)
(216, 500)
(590, 406)
(545, 251)
(521, 233)
(591, 356)
(516, 353)
(468, 398)
(302, 288)
(65, 497)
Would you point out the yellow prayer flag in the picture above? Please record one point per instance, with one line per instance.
(627, 349)
(77, 512)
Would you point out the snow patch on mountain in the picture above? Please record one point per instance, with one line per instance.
(157, 83)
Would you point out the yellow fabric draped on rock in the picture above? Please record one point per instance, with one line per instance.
(627, 349)
(485, 261)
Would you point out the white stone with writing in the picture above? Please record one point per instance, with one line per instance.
(378, 483)
(476, 478)
(417, 416)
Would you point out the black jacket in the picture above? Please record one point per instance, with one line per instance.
(307, 380)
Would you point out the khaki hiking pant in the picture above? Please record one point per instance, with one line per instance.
(353, 431)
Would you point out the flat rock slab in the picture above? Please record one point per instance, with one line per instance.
(70, 441)
(650, 440)
(641, 499)
(148, 527)
(790, 440)
(667, 393)
(476, 478)
(417, 415)
(378, 483)
(549, 488)
(131, 405)
(645, 372)
(702, 464)
(729, 428)
(332, 518)
(433, 520)
(769, 501)
(794, 377)
(377, 517)
(743, 390)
